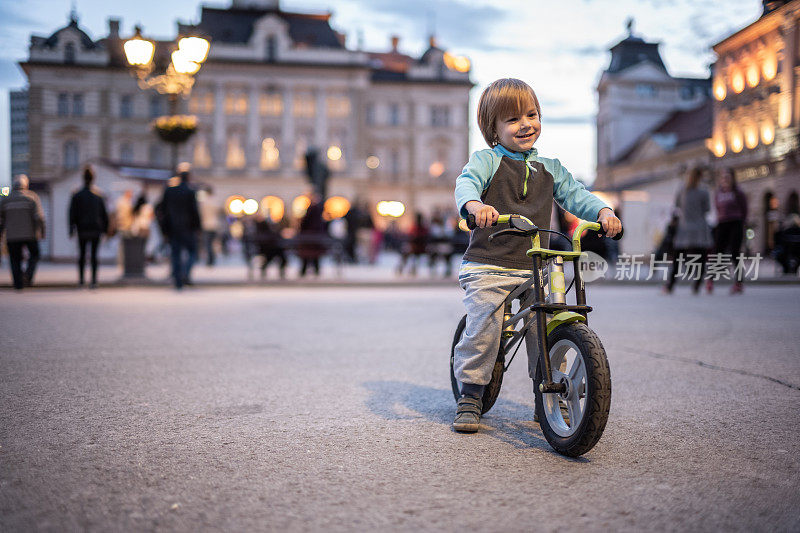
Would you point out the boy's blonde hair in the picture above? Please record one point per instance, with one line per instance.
(504, 97)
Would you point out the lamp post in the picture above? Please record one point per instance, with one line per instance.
(176, 81)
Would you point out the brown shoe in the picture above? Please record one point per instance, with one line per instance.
(468, 414)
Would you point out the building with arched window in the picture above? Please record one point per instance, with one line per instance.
(276, 84)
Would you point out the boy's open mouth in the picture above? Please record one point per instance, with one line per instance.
(525, 136)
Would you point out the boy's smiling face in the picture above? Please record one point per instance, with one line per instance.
(518, 132)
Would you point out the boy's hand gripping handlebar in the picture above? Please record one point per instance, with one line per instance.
(524, 227)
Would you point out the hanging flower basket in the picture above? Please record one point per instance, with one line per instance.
(175, 129)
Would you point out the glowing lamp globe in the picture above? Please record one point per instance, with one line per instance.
(182, 64)
(138, 50)
(194, 48)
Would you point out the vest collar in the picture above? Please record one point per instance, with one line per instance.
(521, 156)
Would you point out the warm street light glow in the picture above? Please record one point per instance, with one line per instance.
(335, 207)
(785, 113)
(719, 90)
(719, 148)
(273, 207)
(391, 209)
(138, 50)
(250, 207)
(436, 169)
(770, 66)
(194, 48)
(752, 75)
(736, 141)
(182, 64)
(457, 63)
(737, 82)
(334, 153)
(235, 204)
(373, 162)
(300, 205)
(767, 133)
(750, 137)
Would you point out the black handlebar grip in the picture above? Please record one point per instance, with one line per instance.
(616, 237)
(471, 222)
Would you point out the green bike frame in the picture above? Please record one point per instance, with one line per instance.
(533, 304)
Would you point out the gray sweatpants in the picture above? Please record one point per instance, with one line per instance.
(477, 351)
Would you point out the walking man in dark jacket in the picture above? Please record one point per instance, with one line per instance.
(181, 224)
(22, 219)
(87, 216)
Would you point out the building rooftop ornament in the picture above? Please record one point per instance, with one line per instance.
(633, 50)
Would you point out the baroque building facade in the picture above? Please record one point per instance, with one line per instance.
(276, 84)
(757, 116)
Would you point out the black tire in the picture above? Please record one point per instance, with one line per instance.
(597, 386)
(492, 390)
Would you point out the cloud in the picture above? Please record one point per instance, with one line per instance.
(457, 24)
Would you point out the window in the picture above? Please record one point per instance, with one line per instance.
(202, 157)
(156, 106)
(440, 115)
(236, 104)
(235, 157)
(69, 54)
(126, 106)
(270, 156)
(645, 90)
(71, 156)
(272, 48)
(338, 106)
(77, 105)
(126, 153)
(63, 104)
(202, 103)
(271, 104)
(394, 115)
(304, 105)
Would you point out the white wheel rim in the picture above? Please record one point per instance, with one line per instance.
(567, 367)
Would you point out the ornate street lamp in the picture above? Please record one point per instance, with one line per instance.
(176, 81)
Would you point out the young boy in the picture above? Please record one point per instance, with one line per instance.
(508, 178)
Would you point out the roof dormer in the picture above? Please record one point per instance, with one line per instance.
(68, 45)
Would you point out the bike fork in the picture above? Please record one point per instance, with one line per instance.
(547, 384)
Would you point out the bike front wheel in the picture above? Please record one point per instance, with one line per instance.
(573, 421)
(492, 390)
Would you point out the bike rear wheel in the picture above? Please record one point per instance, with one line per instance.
(573, 422)
(492, 390)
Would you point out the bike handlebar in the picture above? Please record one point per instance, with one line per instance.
(471, 224)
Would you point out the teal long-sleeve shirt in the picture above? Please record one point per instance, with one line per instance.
(568, 192)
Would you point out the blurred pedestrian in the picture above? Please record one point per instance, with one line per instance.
(731, 206)
(22, 220)
(439, 242)
(459, 242)
(312, 239)
(89, 218)
(181, 223)
(209, 221)
(416, 245)
(270, 245)
(693, 236)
